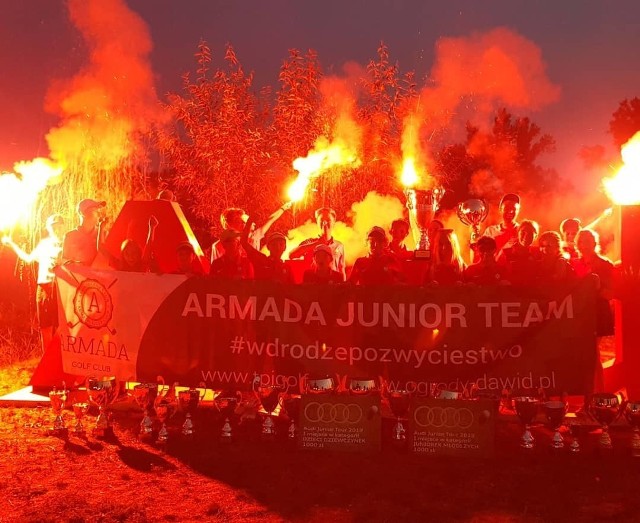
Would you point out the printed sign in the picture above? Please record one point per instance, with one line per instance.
(333, 422)
(452, 427)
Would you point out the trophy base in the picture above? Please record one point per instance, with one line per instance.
(421, 255)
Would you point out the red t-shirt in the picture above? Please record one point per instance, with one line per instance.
(482, 274)
(375, 270)
(311, 276)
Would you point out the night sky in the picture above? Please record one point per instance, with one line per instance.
(590, 48)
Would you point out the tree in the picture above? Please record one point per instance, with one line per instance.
(503, 159)
(626, 121)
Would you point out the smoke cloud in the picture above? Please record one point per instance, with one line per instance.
(113, 97)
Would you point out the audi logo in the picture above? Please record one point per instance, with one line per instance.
(443, 417)
(340, 413)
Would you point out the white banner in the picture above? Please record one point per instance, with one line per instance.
(103, 315)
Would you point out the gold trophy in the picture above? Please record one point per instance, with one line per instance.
(555, 411)
(605, 408)
(226, 402)
(422, 205)
(103, 392)
(527, 410)
(399, 403)
(188, 401)
(58, 399)
(269, 397)
(144, 394)
(290, 403)
(632, 413)
(473, 213)
(320, 385)
(166, 405)
(361, 386)
(79, 409)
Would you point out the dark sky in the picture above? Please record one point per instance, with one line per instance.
(590, 48)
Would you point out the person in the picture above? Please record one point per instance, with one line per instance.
(379, 267)
(591, 262)
(47, 254)
(569, 229)
(399, 232)
(505, 233)
(132, 257)
(80, 245)
(326, 220)
(186, 256)
(552, 267)
(232, 265)
(522, 259)
(432, 230)
(485, 269)
(166, 195)
(234, 218)
(270, 267)
(447, 266)
(321, 270)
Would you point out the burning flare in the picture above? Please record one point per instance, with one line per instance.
(323, 157)
(409, 176)
(19, 191)
(624, 187)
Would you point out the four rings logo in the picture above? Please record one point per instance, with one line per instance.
(93, 305)
(443, 417)
(340, 413)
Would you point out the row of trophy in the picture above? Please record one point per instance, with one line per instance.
(165, 401)
(603, 407)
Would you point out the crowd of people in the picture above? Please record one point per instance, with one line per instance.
(509, 252)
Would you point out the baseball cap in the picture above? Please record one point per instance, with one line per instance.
(53, 219)
(84, 206)
(378, 232)
(323, 248)
(275, 236)
(510, 197)
(229, 234)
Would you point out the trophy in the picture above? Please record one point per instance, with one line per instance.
(555, 411)
(102, 392)
(58, 399)
(399, 403)
(605, 408)
(269, 396)
(361, 386)
(226, 403)
(473, 213)
(166, 406)
(526, 408)
(188, 401)
(79, 409)
(632, 413)
(450, 395)
(422, 205)
(323, 385)
(144, 395)
(291, 405)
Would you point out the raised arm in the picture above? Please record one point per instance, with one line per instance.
(21, 253)
(260, 232)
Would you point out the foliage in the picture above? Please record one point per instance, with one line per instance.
(228, 145)
(625, 121)
(505, 158)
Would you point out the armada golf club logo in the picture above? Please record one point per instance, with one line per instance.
(93, 305)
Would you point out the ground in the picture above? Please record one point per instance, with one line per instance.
(49, 478)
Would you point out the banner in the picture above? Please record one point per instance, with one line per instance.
(103, 316)
(229, 334)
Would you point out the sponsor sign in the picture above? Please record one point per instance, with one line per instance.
(340, 422)
(452, 427)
